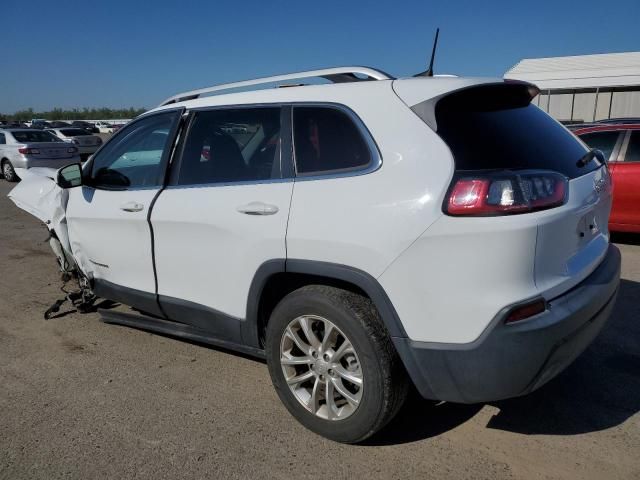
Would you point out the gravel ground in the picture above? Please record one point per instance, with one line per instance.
(82, 399)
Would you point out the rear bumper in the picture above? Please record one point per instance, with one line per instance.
(87, 149)
(51, 163)
(513, 360)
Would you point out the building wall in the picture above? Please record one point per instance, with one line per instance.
(626, 104)
(579, 105)
(583, 106)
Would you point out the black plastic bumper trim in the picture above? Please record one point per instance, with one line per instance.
(515, 359)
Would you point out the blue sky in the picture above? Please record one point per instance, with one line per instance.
(118, 53)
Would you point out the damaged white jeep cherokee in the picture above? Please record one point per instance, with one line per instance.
(359, 235)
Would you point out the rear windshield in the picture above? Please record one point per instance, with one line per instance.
(33, 136)
(495, 127)
(73, 132)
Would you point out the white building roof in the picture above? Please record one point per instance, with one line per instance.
(581, 71)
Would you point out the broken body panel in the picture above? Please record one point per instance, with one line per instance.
(39, 195)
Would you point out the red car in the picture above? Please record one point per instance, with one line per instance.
(621, 146)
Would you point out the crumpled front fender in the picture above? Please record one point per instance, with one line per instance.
(39, 195)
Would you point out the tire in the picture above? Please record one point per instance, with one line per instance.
(8, 172)
(351, 319)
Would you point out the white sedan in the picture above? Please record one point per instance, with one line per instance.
(104, 127)
(86, 143)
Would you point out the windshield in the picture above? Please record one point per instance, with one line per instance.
(34, 136)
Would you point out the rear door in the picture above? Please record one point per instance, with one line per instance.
(107, 217)
(223, 215)
(610, 143)
(625, 213)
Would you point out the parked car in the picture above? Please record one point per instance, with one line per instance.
(88, 126)
(59, 124)
(13, 124)
(627, 120)
(431, 237)
(28, 148)
(86, 143)
(104, 127)
(620, 143)
(39, 123)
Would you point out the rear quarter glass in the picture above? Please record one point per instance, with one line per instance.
(495, 127)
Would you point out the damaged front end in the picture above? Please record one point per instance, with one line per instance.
(39, 195)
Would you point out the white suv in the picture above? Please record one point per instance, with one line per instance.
(359, 235)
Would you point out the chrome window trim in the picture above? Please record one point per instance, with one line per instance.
(230, 184)
(615, 153)
(126, 189)
(625, 144)
(374, 165)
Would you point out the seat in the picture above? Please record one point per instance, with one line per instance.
(223, 163)
(226, 160)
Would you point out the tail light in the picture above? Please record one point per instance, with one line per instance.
(28, 151)
(508, 192)
(72, 150)
(527, 310)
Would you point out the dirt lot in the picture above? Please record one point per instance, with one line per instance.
(82, 399)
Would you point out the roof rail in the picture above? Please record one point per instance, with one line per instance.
(335, 75)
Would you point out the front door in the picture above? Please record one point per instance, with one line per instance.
(107, 217)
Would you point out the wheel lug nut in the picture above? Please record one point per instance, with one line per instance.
(326, 357)
(314, 354)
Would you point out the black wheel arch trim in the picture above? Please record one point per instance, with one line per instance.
(335, 271)
(250, 329)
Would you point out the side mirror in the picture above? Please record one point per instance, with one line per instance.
(69, 176)
(600, 156)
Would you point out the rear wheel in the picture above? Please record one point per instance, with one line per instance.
(8, 172)
(333, 364)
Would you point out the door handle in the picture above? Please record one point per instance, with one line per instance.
(258, 208)
(132, 207)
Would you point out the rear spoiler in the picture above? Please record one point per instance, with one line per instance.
(484, 95)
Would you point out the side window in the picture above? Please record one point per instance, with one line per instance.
(136, 156)
(234, 145)
(2, 139)
(327, 140)
(604, 141)
(633, 149)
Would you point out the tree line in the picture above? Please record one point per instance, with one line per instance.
(73, 114)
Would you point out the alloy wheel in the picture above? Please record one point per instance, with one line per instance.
(321, 367)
